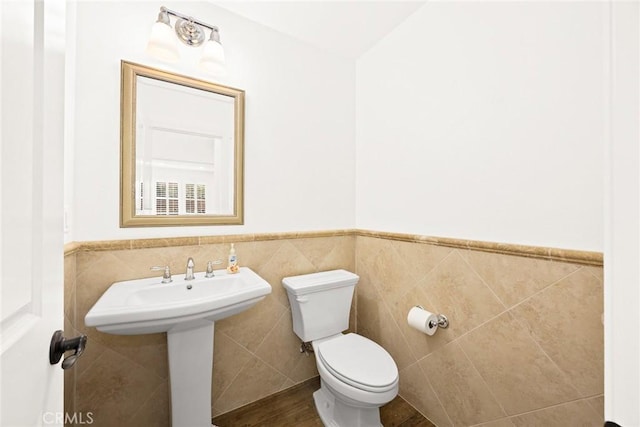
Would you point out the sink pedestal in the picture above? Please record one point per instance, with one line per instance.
(186, 311)
(190, 370)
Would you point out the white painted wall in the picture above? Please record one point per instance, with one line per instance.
(485, 121)
(622, 244)
(300, 107)
(474, 120)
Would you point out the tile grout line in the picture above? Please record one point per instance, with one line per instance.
(519, 303)
(509, 416)
(386, 304)
(546, 287)
(386, 301)
(427, 274)
(149, 398)
(264, 361)
(564, 375)
(556, 405)
(484, 381)
(525, 325)
(416, 359)
(589, 270)
(433, 390)
(222, 393)
(264, 337)
(93, 362)
(273, 254)
(254, 354)
(402, 336)
(464, 259)
(590, 398)
(530, 336)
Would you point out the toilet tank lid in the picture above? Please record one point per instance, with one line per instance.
(314, 282)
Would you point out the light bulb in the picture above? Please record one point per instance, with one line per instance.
(163, 43)
(212, 60)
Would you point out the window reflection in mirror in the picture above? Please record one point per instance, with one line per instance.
(182, 147)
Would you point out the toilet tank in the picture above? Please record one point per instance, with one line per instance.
(320, 302)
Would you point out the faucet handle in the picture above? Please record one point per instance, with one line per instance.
(166, 276)
(210, 265)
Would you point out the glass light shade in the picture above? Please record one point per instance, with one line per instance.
(163, 43)
(212, 60)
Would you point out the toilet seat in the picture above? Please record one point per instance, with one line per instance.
(359, 362)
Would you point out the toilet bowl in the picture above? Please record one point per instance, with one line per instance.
(357, 375)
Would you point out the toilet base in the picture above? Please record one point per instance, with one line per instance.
(336, 413)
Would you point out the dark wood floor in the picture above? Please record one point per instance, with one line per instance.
(295, 407)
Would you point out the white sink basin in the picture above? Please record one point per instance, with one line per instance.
(145, 306)
(186, 311)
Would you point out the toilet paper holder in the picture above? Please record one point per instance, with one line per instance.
(442, 322)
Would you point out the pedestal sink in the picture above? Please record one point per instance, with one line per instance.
(186, 311)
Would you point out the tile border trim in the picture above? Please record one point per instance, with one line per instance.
(551, 254)
(540, 252)
(114, 245)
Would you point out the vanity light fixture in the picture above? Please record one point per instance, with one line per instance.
(190, 31)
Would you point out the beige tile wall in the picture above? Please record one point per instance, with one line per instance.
(525, 345)
(123, 380)
(525, 341)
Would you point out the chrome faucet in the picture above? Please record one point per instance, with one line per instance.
(166, 277)
(190, 265)
(210, 265)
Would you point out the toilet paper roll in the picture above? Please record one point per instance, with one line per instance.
(419, 318)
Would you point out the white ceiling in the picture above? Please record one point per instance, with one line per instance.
(347, 28)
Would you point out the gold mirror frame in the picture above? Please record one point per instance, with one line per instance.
(128, 217)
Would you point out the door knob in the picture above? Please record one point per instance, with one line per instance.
(59, 345)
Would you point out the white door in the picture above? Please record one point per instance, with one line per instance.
(32, 37)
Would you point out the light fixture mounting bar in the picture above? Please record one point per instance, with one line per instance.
(189, 18)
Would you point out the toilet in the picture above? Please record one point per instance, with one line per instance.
(357, 376)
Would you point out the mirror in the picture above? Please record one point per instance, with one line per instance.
(182, 142)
